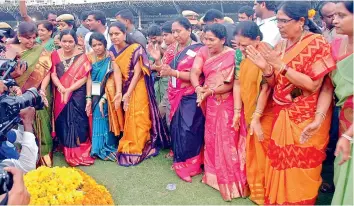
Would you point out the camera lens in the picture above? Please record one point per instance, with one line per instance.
(31, 98)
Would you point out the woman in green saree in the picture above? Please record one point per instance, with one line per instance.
(342, 80)
(37, 75)
(45, 32)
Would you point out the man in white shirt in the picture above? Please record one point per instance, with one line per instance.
(96, 22)
(25, 137)
(267, 22)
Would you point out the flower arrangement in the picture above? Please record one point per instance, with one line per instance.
(311, 13)
(65, 186)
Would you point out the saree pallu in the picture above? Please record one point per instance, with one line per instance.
(293, 170)
(104, 143)
(49, 46)
(144, 133)
(250, 77)
(187, 120)
(342, 79)
(39, 64)
(71, 121)
(224, 155)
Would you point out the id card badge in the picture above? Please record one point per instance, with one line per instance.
(96, 88)
(174, 82)
(191, 53)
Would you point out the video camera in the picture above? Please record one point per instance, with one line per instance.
(12, 105)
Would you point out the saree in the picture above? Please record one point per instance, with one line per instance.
(224, 151)
(49, 45)
(187, 119)
(104, 142)
(39, 64)
(342, 79)
(250, 77)
(144, 133)
(293, 170)
(71, 121)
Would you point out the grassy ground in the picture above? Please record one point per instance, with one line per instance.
(146, 183)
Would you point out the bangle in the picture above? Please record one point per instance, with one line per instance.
(237, 109)
(323, 115)
(347, 137)
(157, 66)
(268, 75)
(257, 114)
(88, 97)
(177, 74)
(283, 72)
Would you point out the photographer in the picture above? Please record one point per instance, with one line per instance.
(29, 151)
(18, 195)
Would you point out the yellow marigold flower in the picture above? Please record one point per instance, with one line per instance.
(311, 13)
(61, 185)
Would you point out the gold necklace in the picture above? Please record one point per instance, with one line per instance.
(285, 44)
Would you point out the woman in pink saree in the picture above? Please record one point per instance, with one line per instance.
(224, 155)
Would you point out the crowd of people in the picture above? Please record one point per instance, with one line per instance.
(252, 105)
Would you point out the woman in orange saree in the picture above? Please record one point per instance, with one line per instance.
(251, 93)
(224, 153)
(296, 68)
(69, 74)
(144, 133)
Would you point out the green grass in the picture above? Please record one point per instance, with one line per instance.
(146, 183)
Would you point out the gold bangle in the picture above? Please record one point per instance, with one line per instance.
(323, 115)
(177, 74)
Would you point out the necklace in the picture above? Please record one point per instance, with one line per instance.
(66, 64)
(285, 44)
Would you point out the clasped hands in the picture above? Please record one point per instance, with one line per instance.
(265, 57)
(203, 92)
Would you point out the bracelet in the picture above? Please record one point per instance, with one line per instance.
(257, 114)
(323, 115)
(88, 97)
(177, 74)
(157, 66)
(347, 137)
(283, 72)
(269, 75)
(237, 109)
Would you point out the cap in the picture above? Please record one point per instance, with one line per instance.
(65, 17)
(191, 16)
(4, 25)
(228, 20)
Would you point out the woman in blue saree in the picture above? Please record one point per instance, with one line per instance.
(104, 141)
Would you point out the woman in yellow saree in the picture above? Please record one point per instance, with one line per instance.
(296, 68)
(144, 133)
(38, 76)
(251, 93)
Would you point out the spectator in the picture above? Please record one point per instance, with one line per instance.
(267, 22)
(215, 16)
(327, 12)
(126, 17)
(245, 13)
(96, 22)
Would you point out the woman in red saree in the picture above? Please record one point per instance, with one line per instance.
(296, 68)
(69, 73)
(224, 155)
